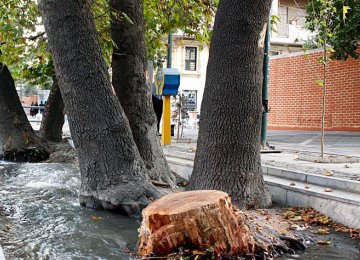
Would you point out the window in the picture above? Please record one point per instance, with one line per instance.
(190, 58)
(190, 99)
(290, 16)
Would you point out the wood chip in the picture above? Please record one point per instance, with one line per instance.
(323, 242)
(322, 231)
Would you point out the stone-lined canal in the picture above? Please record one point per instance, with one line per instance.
(40, 218)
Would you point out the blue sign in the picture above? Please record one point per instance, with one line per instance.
(167, 82)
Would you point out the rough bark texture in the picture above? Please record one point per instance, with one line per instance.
(18, 141)
(113, 175)
(53, 116)
(129, 81)
(228, 149)
(202, 220)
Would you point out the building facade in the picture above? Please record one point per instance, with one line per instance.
(191, 57)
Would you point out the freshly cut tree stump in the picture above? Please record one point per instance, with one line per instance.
(200, 220)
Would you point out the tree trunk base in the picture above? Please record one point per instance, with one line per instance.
(200, 220)
(128, 199)
(30, 154)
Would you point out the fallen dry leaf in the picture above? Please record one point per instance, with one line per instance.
(322, 231)
(328, 173)
(198, 252)
(96, 218)
(311, 216)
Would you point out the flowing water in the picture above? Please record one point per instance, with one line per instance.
(40, 218)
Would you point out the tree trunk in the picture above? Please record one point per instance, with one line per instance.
(323, 107)
(113, 175)
(201, 220)
(129, 81)
(228, 149)
(53, 117)
(18, 141)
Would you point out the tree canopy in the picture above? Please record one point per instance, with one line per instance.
(338, 23)
(24, 46)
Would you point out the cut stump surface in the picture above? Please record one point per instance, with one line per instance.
(195, 219)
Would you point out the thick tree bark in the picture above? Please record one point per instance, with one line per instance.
(129, 81)
(18, 141)
(53, 116)
(113, 175)
(228, 149)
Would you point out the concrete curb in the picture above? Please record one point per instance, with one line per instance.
(306, 189)
(331, 182)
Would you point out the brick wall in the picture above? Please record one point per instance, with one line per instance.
(295, 97)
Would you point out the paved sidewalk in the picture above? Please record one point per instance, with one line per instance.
(341, 143)
(331, 188)
(291, 143)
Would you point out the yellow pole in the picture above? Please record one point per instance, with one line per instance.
(166, 124)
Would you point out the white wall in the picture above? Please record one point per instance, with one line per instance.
(191, 80)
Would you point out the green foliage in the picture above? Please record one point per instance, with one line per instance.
(22, 43)
(336, 24)
(274, 20)
(192, 17)
(24, 46)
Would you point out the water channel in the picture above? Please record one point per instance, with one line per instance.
(40, 218)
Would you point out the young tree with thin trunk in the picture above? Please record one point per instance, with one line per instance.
(53, 116)
(129, 81)
(18, 141)
(228, 149)
(336, 27)
(113, 175)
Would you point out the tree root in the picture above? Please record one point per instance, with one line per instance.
(128, 199)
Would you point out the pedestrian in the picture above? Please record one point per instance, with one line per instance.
(32, 109)
(42, 107)
(36, 109)
(158, 106)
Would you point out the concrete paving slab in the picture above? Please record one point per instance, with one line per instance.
(2, 256)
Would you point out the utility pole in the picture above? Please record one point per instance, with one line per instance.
(169, 51)
(166, 122)
(265, 92)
